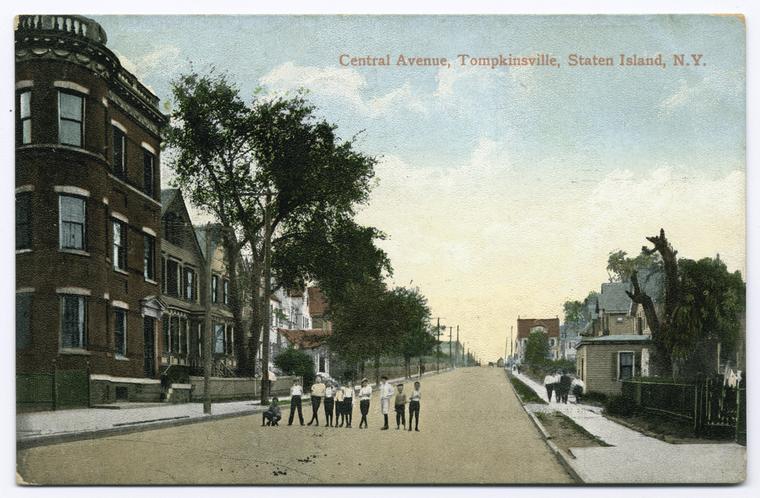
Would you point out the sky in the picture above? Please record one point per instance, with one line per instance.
(501, 191)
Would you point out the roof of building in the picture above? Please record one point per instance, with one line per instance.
(613, 297)
(317, 302)
(167, 196)
(305, 339)
(652, 282)
(524, 326)
(609, 339)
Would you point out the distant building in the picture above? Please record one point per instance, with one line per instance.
(547, 326)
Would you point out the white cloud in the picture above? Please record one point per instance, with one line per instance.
(344, 84)
(166, 58)
(714, 87)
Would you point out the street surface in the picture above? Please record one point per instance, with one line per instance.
(472, 430)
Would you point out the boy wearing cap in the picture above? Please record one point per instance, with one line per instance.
(348, 404)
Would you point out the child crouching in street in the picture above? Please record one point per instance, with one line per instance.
(272, 415)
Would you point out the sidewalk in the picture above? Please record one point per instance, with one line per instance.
(49, 427)
(635, 458)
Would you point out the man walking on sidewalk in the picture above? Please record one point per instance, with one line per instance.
(317, 393)
(549, 385)
(386, 393)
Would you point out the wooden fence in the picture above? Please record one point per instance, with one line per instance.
(711, 407)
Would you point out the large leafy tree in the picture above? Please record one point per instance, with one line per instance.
(413, 318)
(270, 171)
(620, 266)
(702, 305)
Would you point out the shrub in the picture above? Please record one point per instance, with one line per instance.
(296, 362)
(595, 396)
(620, 405)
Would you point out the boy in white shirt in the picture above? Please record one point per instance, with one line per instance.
(365, 393)
(386, 393)
(317, 393)
(296, 391)
(414, 407)
(348, 404)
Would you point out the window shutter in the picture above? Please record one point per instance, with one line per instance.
(614, 366)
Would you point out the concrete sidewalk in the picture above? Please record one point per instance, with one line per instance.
(50, 427)
(635, 458)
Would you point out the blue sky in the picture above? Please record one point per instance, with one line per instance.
(502, 191)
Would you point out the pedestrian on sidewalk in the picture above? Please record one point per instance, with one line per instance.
(272, 415)
(564, 387)
(340, 412)
(386, 393)
(348, 404)
(365, 393)
(414, 408)
(549, 385)
(329, 404)
(400, 406)
(296, 391)
(317, 393)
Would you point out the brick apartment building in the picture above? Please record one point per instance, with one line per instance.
(87, 218)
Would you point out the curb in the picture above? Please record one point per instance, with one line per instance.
(22, 444)
(562, 457)
(142, 426)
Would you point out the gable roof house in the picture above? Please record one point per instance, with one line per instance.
(549, 326)
(615, 344)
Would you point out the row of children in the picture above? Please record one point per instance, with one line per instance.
(340, 399)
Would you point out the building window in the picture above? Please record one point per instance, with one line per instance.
(70, 118)
(625, 365)
(229, 341)
(174, 325)
(73, 321)
(182, 336)
(189, 284)
(149, 257)
(172, 278)
(199, 336)
(120, 332)
(23, 320)
(166, 346)
(72, 222)
(119, 152)
(226, 291)
(24, 220)
(148, 172)
(25, 115)
(219, 338)
(214, 288)
(119, 244)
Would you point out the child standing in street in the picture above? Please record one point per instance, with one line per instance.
(296, 391)
(400, 406)
(348, 404)
(329, 404)
(365, 393)
(340, 411)
(317, 393)
(386, 393)
(273, 415)
(414, 407)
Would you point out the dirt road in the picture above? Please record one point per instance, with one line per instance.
(472, 430)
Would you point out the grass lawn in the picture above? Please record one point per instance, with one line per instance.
(527, 395)
(665, 428)
(567, 434)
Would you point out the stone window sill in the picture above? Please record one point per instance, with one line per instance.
(75, 351)
(151, 281)
(23, 251)
(119, 270)
(119, 357)
(78, 252)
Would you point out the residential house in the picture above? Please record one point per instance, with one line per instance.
(547, 326)
(615, 345)
(222, 319)
(182, 269)
(87, 176)
(289, 310)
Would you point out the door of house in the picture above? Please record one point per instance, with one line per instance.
(149, 334)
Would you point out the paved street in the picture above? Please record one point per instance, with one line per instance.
(473, 430)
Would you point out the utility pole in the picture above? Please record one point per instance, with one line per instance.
(207, 342)
(451, 358)
(438, 345)
(456, 352)
(267, 291)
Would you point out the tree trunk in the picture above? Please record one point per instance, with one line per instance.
(255, 326)
(231, 251)
(377, 370)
